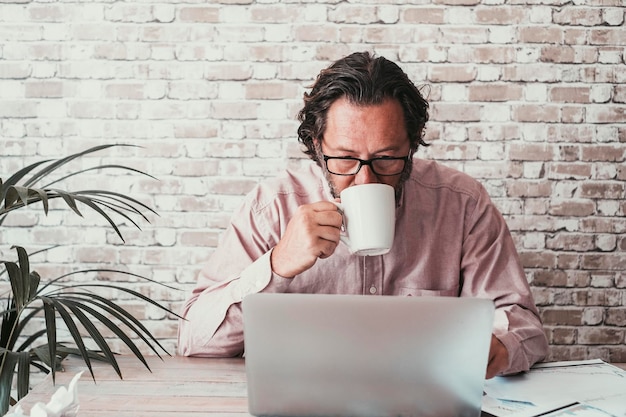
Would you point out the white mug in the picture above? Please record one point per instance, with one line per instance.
(369, 218)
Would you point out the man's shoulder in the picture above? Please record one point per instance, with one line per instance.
(302, 184)
(435, 175)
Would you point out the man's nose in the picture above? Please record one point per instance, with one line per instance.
(366, 176)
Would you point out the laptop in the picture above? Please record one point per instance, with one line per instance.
(356, 355)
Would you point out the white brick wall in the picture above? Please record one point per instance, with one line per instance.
(527, 96)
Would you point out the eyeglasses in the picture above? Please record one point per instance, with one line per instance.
(383, 166)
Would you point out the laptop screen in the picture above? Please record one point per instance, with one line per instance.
(354, 355)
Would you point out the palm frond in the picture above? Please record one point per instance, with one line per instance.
(8, 362)
(97, 168)
(74, 332)
(18, 176)
(23, 374)
(122, 315)
(109, 325)
(64, 161)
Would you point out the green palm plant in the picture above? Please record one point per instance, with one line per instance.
(77, 304)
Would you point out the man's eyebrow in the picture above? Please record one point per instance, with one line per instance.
(347, 150)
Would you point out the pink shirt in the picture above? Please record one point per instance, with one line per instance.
(450, 241)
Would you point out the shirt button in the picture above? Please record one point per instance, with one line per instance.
(372, 290)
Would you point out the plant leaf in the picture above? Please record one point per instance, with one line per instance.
(124, 316)
(25, 274)
(17, 285)
(63, 161)
(8, 361)
(97, 168)
(71, 326)
(9, 324)
(15, 178)
(111, 326)
(51, 332)
(23, 374)
(96, 336)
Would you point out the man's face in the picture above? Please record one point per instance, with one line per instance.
(364, 132)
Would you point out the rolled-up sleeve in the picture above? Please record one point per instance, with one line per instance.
(491, 268)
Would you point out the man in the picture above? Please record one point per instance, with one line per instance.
(361, 123)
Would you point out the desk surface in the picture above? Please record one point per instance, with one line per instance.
(177, 386)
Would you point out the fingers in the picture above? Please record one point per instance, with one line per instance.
(312, 233)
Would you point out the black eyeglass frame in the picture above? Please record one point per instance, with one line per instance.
(368, 162)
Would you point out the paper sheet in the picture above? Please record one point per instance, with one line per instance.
(576, 388)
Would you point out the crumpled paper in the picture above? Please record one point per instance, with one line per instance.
(63, 403)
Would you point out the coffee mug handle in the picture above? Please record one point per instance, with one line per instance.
(344, 233)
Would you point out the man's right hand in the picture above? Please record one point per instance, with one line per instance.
(312, 233)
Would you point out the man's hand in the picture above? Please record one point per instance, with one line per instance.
(498, 358)
(312, 233)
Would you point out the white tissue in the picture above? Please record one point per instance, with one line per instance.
(63, 403)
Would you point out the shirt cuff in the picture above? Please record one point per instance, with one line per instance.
(259, 277)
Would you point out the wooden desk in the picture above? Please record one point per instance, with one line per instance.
(177, 386)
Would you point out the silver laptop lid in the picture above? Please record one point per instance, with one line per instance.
(354, 355)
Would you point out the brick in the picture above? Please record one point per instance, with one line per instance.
(575, 208)
(500, 15)
(570, 94)
(125, 91)
(561, 316)
(456, 112)
(563, 336)
(558, 54)
(464, 34)
(362, 14)
(597, 225)
(273, 14)
(600, 336)
(578, 16)
(608, 261)
(539, 34)
(423, 15)
(570, 261)
(199, 14)
(493, 92)
(231, 186)
(604, 153)
(549, 278)
(571, 242)
(602, 280)
(385, 34)
(616, 317)
(18, 109)
(537, 259)
(608, 36)
(574, 171)
(47, 13)
(44, 89)
(531, 152)
(602, 190)
(535, 113)
(270, 90)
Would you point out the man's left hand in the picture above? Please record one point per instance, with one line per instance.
(498, 358)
